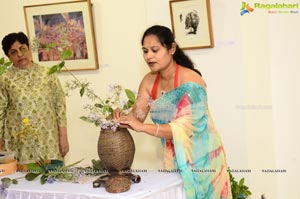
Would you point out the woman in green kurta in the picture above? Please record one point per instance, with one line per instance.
(28, 92)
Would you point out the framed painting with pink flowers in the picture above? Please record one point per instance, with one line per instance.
(57, 27)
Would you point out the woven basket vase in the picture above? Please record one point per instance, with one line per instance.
(116, 149)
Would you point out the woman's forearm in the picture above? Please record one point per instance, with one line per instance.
(158, 130)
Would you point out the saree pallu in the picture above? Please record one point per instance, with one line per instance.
(196, 150)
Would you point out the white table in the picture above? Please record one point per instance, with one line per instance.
(153, 185)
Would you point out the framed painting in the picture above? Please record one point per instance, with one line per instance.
(191, 23)
(57, 27)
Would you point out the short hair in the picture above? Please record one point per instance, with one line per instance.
(11, 38)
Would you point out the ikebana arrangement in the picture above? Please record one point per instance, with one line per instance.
(116, 146)
(100, 111)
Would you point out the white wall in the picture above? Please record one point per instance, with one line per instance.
(251, 76)
(285, 62)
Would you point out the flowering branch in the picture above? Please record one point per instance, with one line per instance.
(101, 111)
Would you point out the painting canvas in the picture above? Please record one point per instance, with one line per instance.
(53, 28)
(191, 23)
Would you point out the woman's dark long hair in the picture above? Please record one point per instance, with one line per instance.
(166, 38)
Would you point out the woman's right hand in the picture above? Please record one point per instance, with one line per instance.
(117, 115)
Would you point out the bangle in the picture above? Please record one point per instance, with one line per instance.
(157, 130)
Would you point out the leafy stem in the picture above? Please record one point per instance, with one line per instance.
(238, 189)
(101, 111)
(49, 173)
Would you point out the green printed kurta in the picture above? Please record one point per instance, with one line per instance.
(34, 94)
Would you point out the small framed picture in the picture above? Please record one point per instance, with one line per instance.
(56, 27)
(191, 23)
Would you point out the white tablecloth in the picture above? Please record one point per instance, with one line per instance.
(153, 185)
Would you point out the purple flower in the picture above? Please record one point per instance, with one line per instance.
(50, 180)
(3, 191)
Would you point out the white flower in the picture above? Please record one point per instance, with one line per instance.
(100, 110)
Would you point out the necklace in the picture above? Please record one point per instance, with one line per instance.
(167, 88)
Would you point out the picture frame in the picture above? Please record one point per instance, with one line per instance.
(56, 27)
(191, 23)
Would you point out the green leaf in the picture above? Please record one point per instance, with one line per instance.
(73, 164)
(99, 105)
(2, 70)
(4, 65)
(241, 183)
(66, 176)
(61, 65)
(248, 193)
(110, 110)
(130, 95)
(65, 54)
(31, 176)
(97, 164)
(7, 64)
(34, 168)
(14, 181)
(44, 179)
(53, 69)
(84, 118)
(129, 104)
(6, 180)
(82, 90)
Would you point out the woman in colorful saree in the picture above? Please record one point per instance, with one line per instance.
(175, 95)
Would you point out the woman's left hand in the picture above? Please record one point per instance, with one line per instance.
(63, 141)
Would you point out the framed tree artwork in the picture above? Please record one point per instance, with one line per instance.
(191, 23)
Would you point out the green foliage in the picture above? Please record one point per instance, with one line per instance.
(65, 54)
(97, 165)
(100, 111)
(4, 65)
(50, 171)
(47, 171)
(5, 183)
(58, 67)
(9, 181)
(238, 189)
(131, 99)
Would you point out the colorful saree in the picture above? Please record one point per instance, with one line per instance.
(196, 150)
